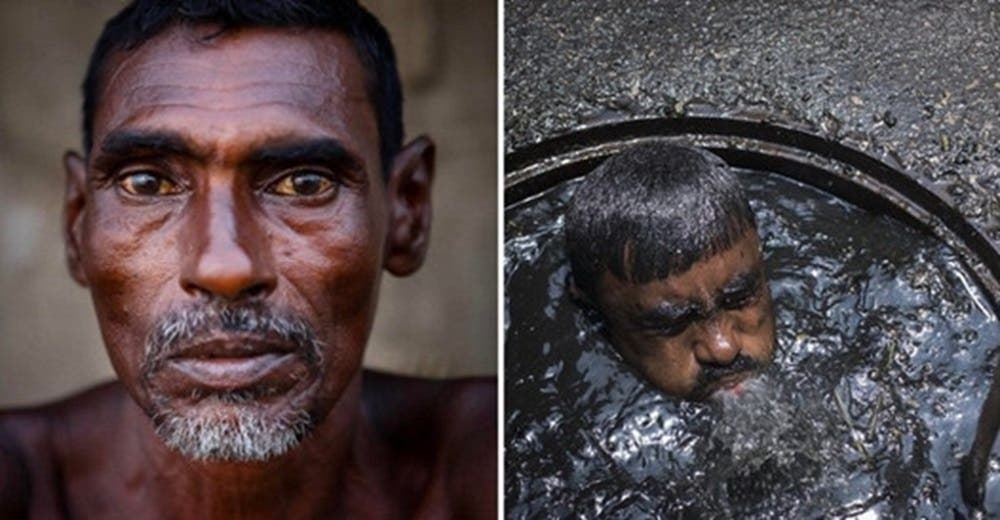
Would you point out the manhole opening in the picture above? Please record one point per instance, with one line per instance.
(905, 355)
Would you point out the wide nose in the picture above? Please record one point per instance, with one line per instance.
(716, 343)
(226, 254)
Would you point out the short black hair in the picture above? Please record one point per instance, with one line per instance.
(142, 20)
(652, 211)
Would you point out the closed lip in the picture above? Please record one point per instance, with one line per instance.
(228, 363)
(233, 347)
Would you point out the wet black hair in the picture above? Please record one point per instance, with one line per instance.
(142, 20)
(652, 211)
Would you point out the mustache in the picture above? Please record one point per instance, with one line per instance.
(175, 331)
(710, 374)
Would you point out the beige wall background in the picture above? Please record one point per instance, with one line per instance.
(440, 322)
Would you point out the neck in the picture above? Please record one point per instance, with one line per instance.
(307, 481)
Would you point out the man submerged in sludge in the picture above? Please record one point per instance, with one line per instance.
(663, 245)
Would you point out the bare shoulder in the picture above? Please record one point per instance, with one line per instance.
(451, 425)
(18, 433)
(35, 443)
(470, 453)
(41, 428)
(398, 404)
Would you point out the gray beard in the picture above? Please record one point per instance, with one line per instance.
(228, 426)
(241, 432)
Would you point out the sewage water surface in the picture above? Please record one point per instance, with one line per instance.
(885, 349)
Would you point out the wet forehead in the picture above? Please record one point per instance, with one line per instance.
(307, 75)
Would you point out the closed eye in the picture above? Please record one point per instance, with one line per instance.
(740, 298)
(667, 324)
(738, 301)
(670, 330)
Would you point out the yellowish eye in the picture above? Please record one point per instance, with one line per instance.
(147, 184)
(302, 184)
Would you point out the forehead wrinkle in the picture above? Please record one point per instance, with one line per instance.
(229, 88)
(231, 64)
(307, 87)
(196, 50)
(159, 81)
(313, 115)
(155, 65)
(222, 77)
(229, 98)
(217, 108)
(228, 55)
(290, 118)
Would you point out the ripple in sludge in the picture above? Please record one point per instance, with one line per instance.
(885, 354)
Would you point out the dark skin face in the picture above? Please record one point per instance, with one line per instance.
(242, 170)
(246, 171)
(696, 333)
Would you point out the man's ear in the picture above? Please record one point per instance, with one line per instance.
(74, 206)
(409, 195)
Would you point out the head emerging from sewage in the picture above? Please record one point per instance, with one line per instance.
(663, 245)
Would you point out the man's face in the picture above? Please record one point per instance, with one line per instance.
(232, 222)
(696, 333)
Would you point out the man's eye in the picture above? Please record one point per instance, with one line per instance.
(738, 301)
(147, 184)
(667, 330)
(302, 184)
(672, 330)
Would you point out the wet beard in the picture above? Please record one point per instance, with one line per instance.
(233, 427)
(751, 422)
(774, 439)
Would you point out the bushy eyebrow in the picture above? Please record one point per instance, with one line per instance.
(667, 314)
(323, 150)
(126, 142)
(281, 153)
(742, 284)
